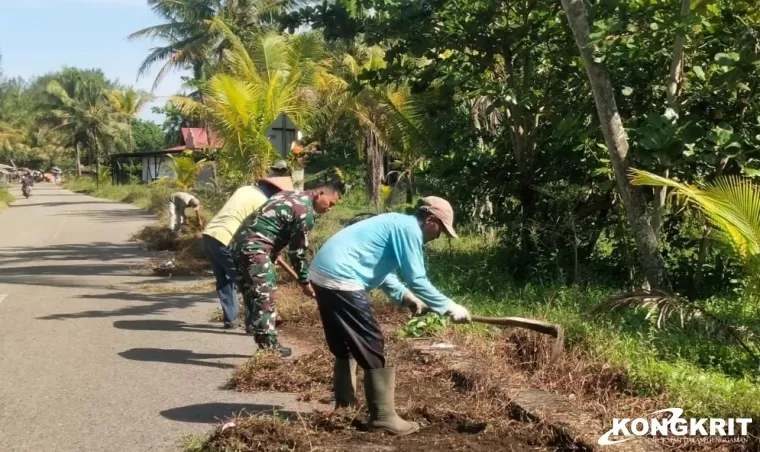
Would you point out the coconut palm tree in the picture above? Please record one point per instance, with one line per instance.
(129, 102)
(273, 74)
(732, 206)
(191, 41)
(186, 171)
(81, 110)
(730, 203)
(387, 118)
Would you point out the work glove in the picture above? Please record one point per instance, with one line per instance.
(414, 304)
(459, 314)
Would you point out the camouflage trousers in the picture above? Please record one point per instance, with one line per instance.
(257, 280)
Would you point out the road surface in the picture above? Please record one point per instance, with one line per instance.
(87, 361)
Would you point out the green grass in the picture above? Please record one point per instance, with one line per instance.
(151, 197)
(5, 198)
(703, 374)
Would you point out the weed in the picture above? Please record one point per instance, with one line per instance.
(5, 198)
(427, 325)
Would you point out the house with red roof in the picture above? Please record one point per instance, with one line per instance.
(194, 139)
(157, 164)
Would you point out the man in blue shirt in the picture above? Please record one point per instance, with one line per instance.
(360, 258)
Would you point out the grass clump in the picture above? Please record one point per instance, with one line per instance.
(6, 198)
(310, 375)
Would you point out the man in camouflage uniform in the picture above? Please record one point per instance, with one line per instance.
(284, 220)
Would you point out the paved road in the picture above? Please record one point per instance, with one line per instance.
(87, 362)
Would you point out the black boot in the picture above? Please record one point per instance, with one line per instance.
(270, 341)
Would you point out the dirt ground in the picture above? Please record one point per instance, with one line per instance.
(456, 412)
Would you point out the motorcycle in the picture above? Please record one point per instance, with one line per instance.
(27, 191)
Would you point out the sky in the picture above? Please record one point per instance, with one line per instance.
(42, 36)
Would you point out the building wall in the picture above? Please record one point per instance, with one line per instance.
(149, 173)
(282, 133)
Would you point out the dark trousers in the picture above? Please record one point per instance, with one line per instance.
(350, 327)
(223, 267)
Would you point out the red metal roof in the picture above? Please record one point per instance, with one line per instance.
(197, 138)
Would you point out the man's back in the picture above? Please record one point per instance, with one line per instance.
(365, 252)
(274, 223)
(183, 197)
(226, 222)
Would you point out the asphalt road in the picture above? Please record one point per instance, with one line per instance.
(88, 362)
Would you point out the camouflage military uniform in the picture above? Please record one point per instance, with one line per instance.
(284, 220)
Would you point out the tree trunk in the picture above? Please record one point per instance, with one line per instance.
(79, 162)
(675, 78)
(661, 195)
(129, 124)
(616, 139)
(374, 170)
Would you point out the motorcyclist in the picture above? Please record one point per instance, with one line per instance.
(26, 184)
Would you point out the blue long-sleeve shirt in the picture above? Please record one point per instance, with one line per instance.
(367, 254)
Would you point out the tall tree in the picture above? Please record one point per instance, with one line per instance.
(386, 119)
(191, 41)
(129, 102)
(77, 104)
(616, 140)
(274, 74)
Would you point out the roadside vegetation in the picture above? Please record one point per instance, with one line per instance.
(5, 198)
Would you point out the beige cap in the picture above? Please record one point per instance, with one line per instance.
(441, 209)
(284, 183)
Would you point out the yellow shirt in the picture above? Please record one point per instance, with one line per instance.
(226, 222)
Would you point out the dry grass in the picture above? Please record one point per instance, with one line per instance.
(195, 287)
(185, 248)
(463, 400)
(310, 375)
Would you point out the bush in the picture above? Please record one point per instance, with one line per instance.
(5, 198)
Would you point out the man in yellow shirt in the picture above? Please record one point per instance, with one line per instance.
(219, 232)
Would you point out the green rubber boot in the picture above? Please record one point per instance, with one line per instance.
(344, 383)
(380, 391)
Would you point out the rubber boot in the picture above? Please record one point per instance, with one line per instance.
(380, 391)
(270, 341)
(344, 383)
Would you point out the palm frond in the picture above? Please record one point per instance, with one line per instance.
(664, 305)
(731, 204)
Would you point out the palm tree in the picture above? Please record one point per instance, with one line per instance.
(129, 103)
(732, 206)
(274, 74)
(730, 203)
(48, 145)
(82, 111)
(387, 119)
(186, 171)
(191, 40)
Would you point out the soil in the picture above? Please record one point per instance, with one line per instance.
(456, 412)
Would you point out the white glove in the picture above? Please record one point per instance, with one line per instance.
(458, 313)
